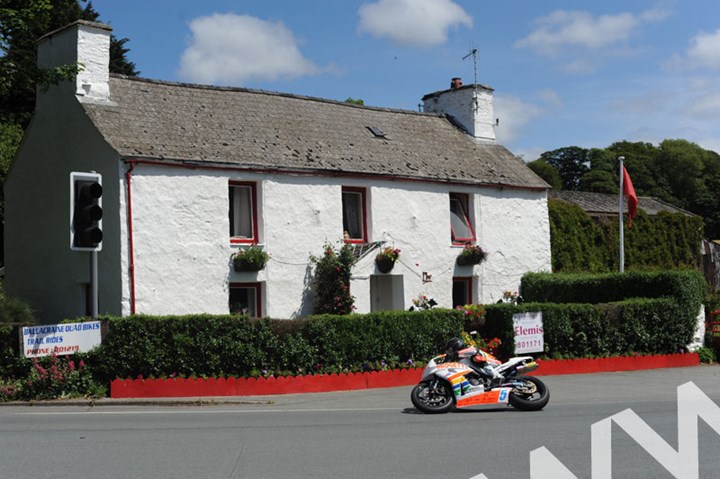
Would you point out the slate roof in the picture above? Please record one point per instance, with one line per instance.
(257, 129)
(602, 204)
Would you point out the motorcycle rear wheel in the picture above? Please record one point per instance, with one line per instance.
(433, 397)
(532, 396)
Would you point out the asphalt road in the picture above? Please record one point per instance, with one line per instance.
(362, 434)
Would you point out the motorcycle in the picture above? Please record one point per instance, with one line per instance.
(473, 377)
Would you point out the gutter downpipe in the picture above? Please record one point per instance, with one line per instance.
(131, 250)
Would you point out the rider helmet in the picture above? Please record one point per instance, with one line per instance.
(454, 345)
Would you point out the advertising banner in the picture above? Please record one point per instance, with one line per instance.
(528, 332)
(60, 339)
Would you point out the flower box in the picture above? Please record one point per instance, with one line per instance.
(250, 259)
(385, 259)
(471, 255)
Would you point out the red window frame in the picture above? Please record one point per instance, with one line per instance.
(253, 212)
(363, 205)
(467, 282)
(464, 200)
(258, 296)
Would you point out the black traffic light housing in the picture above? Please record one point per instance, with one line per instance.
(86, 211)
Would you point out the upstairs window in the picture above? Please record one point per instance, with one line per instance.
(243, 212)
(460, 225)
(354, 215)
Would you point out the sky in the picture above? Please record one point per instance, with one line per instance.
(565, 72)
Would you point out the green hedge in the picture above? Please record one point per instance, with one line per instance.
(656, 326)
(685, 286)
(581, 243)
(231, 345)
(583, 315)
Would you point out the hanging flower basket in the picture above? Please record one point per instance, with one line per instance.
(385, 259)
(251, 259)
(471, 255)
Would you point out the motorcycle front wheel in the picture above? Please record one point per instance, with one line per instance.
(529, 394)
(433, 397)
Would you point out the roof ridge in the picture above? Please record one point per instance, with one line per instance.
(271, 93)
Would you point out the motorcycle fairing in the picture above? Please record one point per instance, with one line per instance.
(494, 396)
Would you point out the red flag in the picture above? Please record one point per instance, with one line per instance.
(629, 192)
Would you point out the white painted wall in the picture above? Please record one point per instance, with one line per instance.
(182, 249)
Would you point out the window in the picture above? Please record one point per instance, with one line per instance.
(243, 212)
(354, 216)
(246, 298)
(460, 226)
(462, 291)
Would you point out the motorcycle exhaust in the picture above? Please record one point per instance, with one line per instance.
(526, 368)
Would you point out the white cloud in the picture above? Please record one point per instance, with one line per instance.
(513, 114)
(705, 106)
(704, 52)
(412, 22)
(564, 29)
(233, 49)
(551, 98)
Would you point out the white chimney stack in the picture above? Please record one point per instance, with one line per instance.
(87, 44)
(470, 105)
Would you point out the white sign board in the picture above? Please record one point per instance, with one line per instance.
(60, 339)
(528, 332)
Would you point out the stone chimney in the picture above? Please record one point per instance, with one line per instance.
(471, 106)
(84, 43)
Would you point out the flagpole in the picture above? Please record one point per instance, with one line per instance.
(620, 216)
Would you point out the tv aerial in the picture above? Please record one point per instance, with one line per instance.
(473, 53)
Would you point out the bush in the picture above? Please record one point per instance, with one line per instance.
(204, 345)
(52, 378)
(332, 280)
(579, 243)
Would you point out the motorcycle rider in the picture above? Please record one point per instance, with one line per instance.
(456, 349)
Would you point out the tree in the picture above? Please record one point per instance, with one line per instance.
(547, 172)
(572, 162)
(22, 22)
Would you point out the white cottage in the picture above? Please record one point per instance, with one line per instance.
(191, 173)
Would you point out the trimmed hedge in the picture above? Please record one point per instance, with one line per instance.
(602, 315)
(587, 330)
(581, 243)
(687, 287)
(605, 314)
(206, 345)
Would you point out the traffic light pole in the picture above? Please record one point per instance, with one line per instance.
(94, 284)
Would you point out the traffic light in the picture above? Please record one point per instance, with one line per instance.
(86, 211)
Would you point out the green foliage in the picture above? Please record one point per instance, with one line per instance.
(547, 172)
(707, 355)
(21, 24)
(13, 310)
(687, 287)
(571, 162)
(332, 280)
(613, 313)
(354, 101)
(650, 326)
(204, 346)
(52, 378)
(250, 259)
(676, 171)
(579, 243)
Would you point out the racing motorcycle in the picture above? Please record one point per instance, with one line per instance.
(466, 377)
